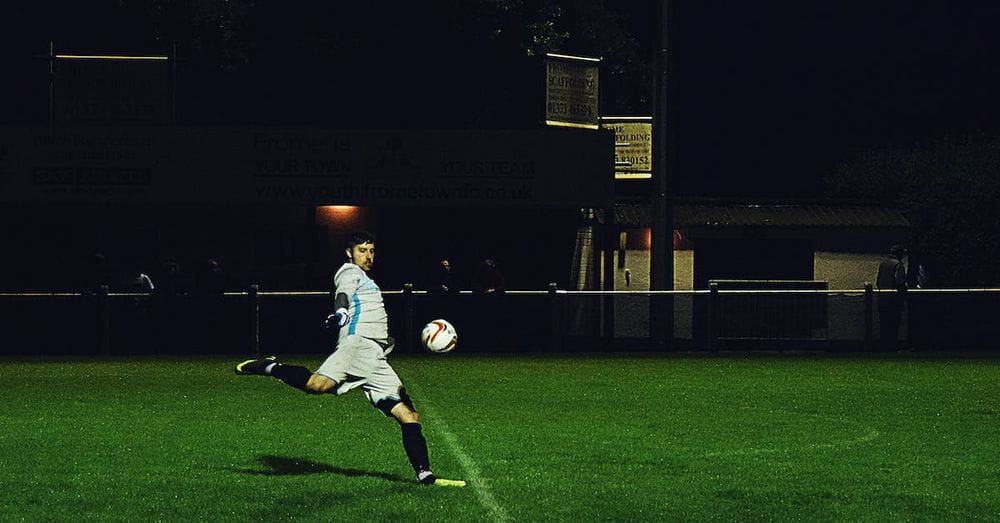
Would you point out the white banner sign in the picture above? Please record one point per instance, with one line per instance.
(305, 165)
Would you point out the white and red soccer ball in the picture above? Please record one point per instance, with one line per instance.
(439, 336)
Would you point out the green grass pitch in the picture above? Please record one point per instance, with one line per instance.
(678, 437)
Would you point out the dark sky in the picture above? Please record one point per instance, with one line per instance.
(771, 95)
(785, 90)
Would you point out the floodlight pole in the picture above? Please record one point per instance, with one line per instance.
(664, 158)
(52, 81)
(173, 84)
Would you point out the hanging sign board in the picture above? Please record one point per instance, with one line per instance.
(572, 93)
(111, 89)
(633, 146)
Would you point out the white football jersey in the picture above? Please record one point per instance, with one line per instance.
(368, 316)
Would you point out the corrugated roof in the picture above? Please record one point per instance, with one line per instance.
(715, 214)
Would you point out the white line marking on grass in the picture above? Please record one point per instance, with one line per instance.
(476, 480)
(869, 435)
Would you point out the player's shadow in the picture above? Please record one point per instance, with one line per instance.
(284, 466)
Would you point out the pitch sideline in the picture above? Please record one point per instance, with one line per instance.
(476, 480)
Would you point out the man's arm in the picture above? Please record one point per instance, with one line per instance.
(341, 302)
(346, 280)
(341, 316)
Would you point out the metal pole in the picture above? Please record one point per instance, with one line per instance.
(609, 244)
(596, 250)
(173, 84)
(869, 312)
(662, 248)
(52, 81)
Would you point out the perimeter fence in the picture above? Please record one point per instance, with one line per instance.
(553, 320)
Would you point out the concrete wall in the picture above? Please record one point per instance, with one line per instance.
(632, 312)
(843, 271)
(846, 270)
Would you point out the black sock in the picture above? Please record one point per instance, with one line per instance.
(416, 446)
(292, 375)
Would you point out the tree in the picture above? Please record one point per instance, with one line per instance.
(949, 190)
(453, 58)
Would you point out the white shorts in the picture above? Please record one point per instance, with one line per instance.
(361, 362)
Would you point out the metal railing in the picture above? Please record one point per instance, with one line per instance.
(257, 321)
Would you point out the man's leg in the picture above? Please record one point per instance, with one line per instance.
(413, 439)
(385, 390)
(293, 375)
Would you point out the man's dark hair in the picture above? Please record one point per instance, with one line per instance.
(358, 238)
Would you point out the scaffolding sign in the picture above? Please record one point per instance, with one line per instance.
(572, 91)
(633, 146)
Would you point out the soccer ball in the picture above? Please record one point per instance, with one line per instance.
(439, 336)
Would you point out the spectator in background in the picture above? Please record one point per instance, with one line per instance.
(488, 310)
(923, 276)
(210, 279)
(920, 307)
(488, 279)
(170, 280)
(94, 274)
(445, 282)
(170, 326)
(891, 276)
(443, 290)
(137, 281)
(215, 318)
(134, 329)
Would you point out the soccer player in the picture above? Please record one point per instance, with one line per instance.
(359, 359)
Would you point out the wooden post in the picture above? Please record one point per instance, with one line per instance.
(409, 333)
(555, 325)
(104, 319)
(255, 319)
(713, 316)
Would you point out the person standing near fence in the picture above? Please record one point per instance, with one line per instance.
(891, 276)
(443, 291)
(138, 281)
(136, 321)
(489, 287)
(168, 304)
(359, 359)
(487, 279)
(445, 283)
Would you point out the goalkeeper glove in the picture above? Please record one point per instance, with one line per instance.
(337, 319)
